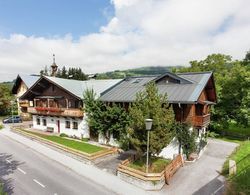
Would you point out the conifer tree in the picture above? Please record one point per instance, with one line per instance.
(64, 73)
(150, 104)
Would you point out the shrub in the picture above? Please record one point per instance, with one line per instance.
(1, 190)
(63, 135)
(186, 138)
(85, 139)
(213, 134)
(1, 126)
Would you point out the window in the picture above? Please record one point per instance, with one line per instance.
(44, 122)
(137, 81)
(75, 125)
(31, 103)
(38, 121)
(67, 124)
(76, 104)
(116, 134)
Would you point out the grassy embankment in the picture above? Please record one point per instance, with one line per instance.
(77, 145)
(1, 118)
(239, 183)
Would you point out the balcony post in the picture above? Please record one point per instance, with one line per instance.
(67, 103)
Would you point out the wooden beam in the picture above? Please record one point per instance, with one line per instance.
(36, 93)
(42, 85)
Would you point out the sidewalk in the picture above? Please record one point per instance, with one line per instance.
(89, 171)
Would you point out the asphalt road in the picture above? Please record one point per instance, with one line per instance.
(25, 171)
(202, 177)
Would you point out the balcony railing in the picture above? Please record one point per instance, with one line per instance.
(52, 111)
(201, 121)
(24, 103)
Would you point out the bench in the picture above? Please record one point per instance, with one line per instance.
(50, 129)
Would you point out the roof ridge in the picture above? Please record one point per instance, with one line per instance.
(141, 76)
(184, 73)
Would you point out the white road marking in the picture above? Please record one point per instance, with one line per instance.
(22, 171)
(8, 161)
(55, 193)
(39, 183)
(218, 189)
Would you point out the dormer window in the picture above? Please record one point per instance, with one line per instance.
(137, 81)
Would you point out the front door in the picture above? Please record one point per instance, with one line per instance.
(58, 125)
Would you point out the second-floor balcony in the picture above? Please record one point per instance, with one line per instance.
(24, 103)
(54, 111)
(201, 121)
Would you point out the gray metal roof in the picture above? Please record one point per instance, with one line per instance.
(29, 80)
(189, 92)
(78, 87)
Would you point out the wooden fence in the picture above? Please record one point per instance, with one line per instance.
(167, 173)
(173, 167)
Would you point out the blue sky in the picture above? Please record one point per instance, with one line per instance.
(109, 35)
(53, 17)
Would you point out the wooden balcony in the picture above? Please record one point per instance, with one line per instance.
(201, 121)
(52, 111)
(24, 103)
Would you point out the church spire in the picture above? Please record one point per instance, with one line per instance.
(54, 66)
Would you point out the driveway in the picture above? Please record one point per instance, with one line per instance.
(202, 177)
(110, 163)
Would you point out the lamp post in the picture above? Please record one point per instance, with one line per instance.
(148, 124)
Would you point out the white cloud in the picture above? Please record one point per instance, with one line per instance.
(141, 33)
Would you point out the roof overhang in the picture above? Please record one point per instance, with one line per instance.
(17, 82)
(207, 102)
(49, 97)
(32, 91)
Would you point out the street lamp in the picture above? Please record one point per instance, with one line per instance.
(148, 124)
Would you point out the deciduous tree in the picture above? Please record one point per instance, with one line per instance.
(106, 119)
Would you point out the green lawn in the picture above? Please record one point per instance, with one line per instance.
(77, 145)
(1, 126)
(157, 164)
(240, 182)
(1, 190)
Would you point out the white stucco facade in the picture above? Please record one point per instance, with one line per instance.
(58, 125)
(112, 140)
(171, 150)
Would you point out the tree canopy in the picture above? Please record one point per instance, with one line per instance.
(232, 79)
(106, 119)
(70, 73)
(5, 99)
